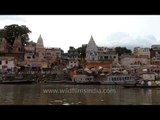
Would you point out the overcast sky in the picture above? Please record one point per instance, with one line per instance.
(74, 30)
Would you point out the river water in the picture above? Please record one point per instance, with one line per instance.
(61, 94)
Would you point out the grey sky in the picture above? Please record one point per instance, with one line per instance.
(74, 30)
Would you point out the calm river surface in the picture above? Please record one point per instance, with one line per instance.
(61, 94)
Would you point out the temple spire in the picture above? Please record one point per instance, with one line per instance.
(92, 45)
(91, 50)
(17, 41)
(40, 42)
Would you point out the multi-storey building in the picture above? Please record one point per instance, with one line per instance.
(107, 54)
(155, 54)
(138, 51)
(73, 53)
(7, 64)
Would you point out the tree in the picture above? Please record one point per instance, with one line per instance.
(82, 51)
(10, 32)
(122, 50)
(31, 42)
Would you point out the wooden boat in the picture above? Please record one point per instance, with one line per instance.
(83, 79)
(16, 81)
(55, 81)
(12, 79)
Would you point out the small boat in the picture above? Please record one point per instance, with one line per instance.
(55, 81)
(16, 81)
(84, 79)
(10, 79)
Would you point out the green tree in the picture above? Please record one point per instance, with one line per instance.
(122, 50)
(10, 32)
(82, 51)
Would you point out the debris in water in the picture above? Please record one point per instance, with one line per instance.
(59, 101)
(65, 104)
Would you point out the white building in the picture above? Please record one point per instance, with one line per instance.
(7, 64)
(149, 76)
(73, 63)
(91, 51)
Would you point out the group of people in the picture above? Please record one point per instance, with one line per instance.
(150, 83)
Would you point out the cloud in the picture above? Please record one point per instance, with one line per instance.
(9, 19)
(12, 18)
(125, 40)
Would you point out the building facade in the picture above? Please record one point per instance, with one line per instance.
(3, 45)
(133, 60)
(73, 53)
(138, 51)
(107, 54)
(7, 64)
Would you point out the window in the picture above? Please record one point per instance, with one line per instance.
(106, 57)
(19, 49)
(28, 57)
(48, 53)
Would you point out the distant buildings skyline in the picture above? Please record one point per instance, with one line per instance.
(74, 30)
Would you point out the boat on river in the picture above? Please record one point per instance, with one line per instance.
(119, 79)
(16, 81)
(145, 84)
(83, 79)
(12, 79)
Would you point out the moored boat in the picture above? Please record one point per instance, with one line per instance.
(12, 79)
(16, 81)
(144, 84)
(84, 79)
(119, 79)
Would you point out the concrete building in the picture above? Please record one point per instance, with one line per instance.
(138, 51)
(155, 54)
(73, 63)
(58, 52)
(7, 64)
(155, 49)
(3, 45)
(30, 54)
(149, 76)
(107, 54)
(73, 53)
(36, 55)
(132, 61)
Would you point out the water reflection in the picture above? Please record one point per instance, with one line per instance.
(77, 95)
